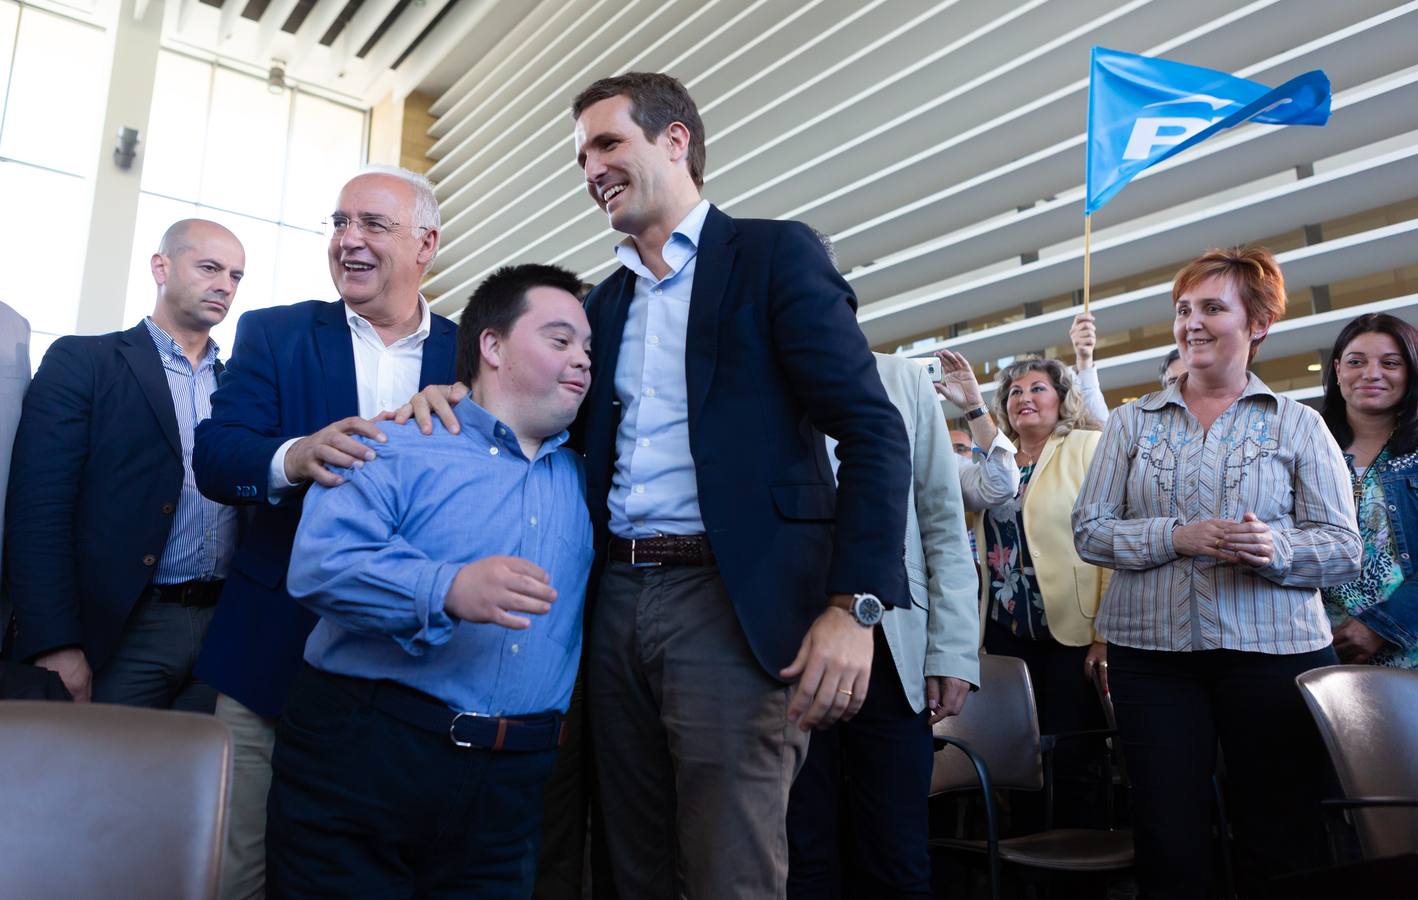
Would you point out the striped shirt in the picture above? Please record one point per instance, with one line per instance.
(203, 536)
(1156, 468)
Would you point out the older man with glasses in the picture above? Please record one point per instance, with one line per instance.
(303, 382)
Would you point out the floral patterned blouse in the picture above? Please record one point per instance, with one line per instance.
(1016, 602)
(1381, 574)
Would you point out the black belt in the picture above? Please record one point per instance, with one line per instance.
(467, 730)
(187, 593)
(663, 550)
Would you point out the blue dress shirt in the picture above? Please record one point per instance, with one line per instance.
(375, 558)
(203, 536)
(654, 490)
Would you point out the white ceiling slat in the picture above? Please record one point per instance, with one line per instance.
(358, 30)
(307, 37)
(231, 10)
(269, 27)
(410, 24)
(439, 48)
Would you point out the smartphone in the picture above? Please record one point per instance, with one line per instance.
(932, 366)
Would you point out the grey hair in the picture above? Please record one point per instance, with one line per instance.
(1072, 413)
(425, 202)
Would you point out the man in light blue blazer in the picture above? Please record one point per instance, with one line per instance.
(928, 665)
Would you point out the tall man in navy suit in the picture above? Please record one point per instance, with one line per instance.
(738, 590)
(114, 559)
(303, 381)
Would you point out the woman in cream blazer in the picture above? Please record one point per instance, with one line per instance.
(1038, 599)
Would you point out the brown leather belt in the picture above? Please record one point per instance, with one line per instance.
(663, 550)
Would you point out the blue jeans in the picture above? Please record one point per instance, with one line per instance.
(365, 805)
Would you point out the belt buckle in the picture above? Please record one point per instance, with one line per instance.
(452, 726)
(640, 565)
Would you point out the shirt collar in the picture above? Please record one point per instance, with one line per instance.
(356, 320)
(1173, 394)
(678, 250)
(479, 421)
(170, 350)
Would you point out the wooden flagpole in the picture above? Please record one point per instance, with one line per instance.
(1087, 258)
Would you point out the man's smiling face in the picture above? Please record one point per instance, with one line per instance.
(627, 174)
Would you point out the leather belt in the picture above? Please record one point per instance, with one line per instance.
(663, 550)
(466, 730)
(187, 593)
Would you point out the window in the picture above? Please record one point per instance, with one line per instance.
(220, 146)
(47, 62)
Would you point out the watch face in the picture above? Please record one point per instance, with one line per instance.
(867, 609)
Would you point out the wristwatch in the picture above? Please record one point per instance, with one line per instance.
(975, 413)
(865, 608)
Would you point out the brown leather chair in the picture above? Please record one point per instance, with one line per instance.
(101, 801)
(1368, 716)
(995, 744)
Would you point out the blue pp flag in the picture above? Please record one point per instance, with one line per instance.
(1142, 110)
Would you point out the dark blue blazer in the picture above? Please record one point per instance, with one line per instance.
(94, 481)
(774, 358)
(292, 372)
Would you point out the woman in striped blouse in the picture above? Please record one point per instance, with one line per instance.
(1223, 509)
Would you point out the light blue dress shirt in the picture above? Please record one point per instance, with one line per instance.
(375, 558)
(653, 490)
(203, 536)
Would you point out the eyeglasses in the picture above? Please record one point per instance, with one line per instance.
(370, 225)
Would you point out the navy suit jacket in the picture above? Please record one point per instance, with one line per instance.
(292, 372)
(94, 481)
(773, 356)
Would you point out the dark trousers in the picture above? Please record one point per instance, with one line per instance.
(365, 805)
(694, 753)
(873, 772)
(153, 663)
(1065, 701)
(565, 804)
(1171, 710)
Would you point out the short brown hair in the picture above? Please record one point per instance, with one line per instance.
(1254, 272)
(657, 100)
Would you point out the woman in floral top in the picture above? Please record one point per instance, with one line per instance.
(1371, 407)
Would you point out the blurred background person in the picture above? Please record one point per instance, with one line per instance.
(1172, 368)
(1223, 507)
(1083, 334)
(1037, 597)
(1371, 408)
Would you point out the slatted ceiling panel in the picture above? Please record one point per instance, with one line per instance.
(931, 193)
(940, 143)
(1369, 113)
(1340, 259)
(1365, 185)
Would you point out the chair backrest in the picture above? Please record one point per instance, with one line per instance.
(102, 801)
(999, 722)
(1368, 716)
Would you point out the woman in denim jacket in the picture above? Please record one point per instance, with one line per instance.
(1371, 407)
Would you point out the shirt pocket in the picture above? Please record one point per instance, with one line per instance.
(570, 570)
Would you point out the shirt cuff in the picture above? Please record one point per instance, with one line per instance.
(1000, 443)
(277, 484)
(1087, 379)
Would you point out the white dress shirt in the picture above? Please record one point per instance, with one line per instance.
(987, 484)
(385, 378)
